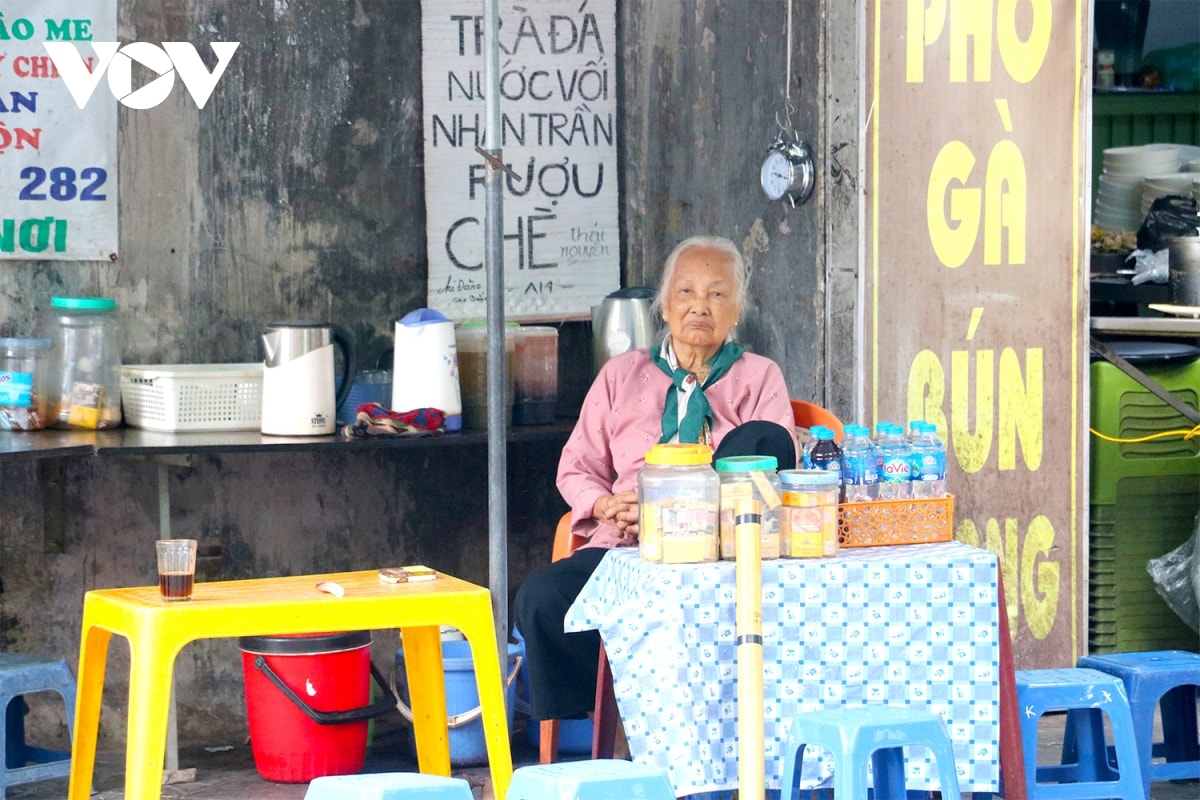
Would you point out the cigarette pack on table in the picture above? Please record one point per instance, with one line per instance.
(410, 574)
(883, 522)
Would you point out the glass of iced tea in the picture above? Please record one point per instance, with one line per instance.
(176, 568)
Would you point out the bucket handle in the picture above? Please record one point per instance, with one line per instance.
(464, 717)
(326, 717)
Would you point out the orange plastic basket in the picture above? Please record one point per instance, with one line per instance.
(881, 522)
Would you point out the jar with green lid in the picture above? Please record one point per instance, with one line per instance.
(23, 377)
(679, 497)
(750, 478)
(809, 517)
(85, 367)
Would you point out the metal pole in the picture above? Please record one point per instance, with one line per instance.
(493, 232)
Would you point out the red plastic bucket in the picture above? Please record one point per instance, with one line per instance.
(306, 704)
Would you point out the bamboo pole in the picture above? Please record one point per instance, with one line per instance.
(747, 522)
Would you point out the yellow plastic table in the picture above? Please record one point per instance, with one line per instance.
(158, 630)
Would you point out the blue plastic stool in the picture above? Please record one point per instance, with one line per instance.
(869, 735)
(603, 779)
(388, 786)
(21, 675)
(1169, 678)
(1087, 771)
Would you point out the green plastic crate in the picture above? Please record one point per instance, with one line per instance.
(1144, 500)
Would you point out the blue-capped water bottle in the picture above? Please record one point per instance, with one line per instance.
(895, 462)
(825, 453)
(860, 467)
(928, 460)
(809, 444)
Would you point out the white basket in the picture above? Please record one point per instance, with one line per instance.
(192, 397)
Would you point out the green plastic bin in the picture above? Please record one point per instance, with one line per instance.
(1144, 500)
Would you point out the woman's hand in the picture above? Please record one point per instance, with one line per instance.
(620, 510)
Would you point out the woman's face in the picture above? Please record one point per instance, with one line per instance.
(700, 304)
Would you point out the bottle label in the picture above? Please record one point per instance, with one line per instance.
(858, 470)
(827, 463)
(16, 388)
(895, 469)
(929, 467)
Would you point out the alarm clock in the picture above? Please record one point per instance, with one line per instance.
(787, 171)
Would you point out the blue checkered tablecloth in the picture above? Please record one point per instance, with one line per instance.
(914, 625)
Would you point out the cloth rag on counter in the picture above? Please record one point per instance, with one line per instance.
(373, 419)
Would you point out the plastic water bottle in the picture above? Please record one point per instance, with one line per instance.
(860, 466)
(928, 461)
(806, 455)
(895, 462)
(825, 453)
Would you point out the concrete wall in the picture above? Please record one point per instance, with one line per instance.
(297, 193)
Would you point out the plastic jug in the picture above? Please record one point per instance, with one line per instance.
(425, 366)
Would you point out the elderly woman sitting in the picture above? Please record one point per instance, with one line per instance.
(697, 386)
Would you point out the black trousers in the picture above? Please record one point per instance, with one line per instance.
(562, 666)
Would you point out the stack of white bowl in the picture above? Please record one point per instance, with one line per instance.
(1155, 186)
(1119, 195)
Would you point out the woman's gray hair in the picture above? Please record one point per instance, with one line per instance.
(716, 243)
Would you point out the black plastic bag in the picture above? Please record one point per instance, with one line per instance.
(1170, 217)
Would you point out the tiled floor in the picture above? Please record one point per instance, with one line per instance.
(224, 772)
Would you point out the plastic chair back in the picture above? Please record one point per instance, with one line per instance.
(808, 414)
(565, 542)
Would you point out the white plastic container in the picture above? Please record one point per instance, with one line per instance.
(193, 397)
(679, 498)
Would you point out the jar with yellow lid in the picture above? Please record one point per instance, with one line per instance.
(809, 517)
(679, 497)
(750, 478)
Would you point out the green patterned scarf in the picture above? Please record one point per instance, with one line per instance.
(699, 412)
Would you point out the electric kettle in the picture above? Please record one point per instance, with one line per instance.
(425, 365)
(298, 391)
(622, 322)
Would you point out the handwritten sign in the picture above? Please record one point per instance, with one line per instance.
(975, 304)
(58, 164)
(558, 101)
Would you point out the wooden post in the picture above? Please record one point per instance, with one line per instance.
(747, 527)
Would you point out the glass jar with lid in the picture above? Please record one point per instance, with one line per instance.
(23, 378)
(750, 478)
(85, 370)
(679, 496)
